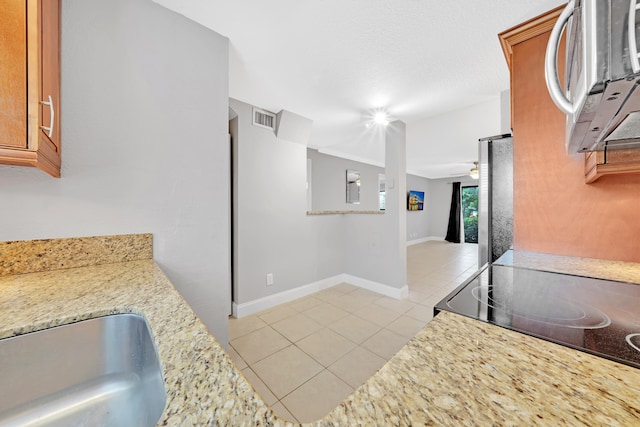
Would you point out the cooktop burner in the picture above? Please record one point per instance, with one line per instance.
(597, 316)
(557, 312)
(634, 341)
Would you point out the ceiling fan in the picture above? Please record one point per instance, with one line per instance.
(473, 171)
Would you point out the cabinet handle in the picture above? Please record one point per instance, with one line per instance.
(633, 45)
(49, 129)
(551, 61)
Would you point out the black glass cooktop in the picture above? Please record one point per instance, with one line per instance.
(601, 317)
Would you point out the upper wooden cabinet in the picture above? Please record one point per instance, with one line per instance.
(30, 84)
(522, 37)
(539, 26)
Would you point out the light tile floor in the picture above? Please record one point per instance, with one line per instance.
(306, 356)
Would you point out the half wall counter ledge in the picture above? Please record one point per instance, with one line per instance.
(311, 213)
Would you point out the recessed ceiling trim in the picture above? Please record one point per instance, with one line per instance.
(338, 153)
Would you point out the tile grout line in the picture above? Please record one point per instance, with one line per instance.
(442, 281)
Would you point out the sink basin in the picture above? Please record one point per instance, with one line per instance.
(97, 372)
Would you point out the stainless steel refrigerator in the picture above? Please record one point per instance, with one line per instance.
(495, 197)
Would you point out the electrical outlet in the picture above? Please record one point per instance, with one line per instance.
(269, 279)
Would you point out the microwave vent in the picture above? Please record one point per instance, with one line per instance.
(628, 129)
(264, 119)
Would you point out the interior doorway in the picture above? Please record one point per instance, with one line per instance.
(233, 151)
(470, 213)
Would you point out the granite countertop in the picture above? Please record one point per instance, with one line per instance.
(203, 386)
(456, 371)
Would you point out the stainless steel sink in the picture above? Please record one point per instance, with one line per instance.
(97, 372)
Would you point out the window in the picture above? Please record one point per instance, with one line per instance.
(470, 213)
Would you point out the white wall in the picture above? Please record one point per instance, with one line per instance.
(144, 146)
(328, 190)
(439, 203)
(376, 244)
(418, 221)
(328, 185)
(272, 232)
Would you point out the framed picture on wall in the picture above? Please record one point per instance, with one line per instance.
(415, 200)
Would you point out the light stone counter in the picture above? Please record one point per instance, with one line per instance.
(462, 372)
(203, 387)
(456, 371)
(602, 269)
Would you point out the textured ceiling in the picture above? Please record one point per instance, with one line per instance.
(334, 61)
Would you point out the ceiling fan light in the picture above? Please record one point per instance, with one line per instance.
(381, 118)
(474, 173)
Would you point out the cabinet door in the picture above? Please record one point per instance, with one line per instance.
(13, 74)
(30, 84)
(50, 70)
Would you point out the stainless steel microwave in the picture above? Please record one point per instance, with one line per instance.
(600, 97)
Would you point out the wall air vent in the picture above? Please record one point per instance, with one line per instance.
(264, 119)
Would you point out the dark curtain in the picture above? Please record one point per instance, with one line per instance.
(453, 230)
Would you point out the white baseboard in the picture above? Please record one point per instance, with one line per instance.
(380, 288)
(424, 239)
(248, 308)
(251, 307)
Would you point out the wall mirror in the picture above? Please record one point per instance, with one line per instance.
(382, 192)
(353, 187)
